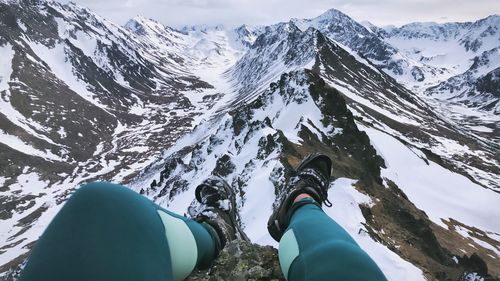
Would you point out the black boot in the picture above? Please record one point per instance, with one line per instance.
(313, 178)
(217, 208)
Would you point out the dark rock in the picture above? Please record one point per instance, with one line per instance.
(242, 260)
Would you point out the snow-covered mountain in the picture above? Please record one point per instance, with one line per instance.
(469, 51)
(439, 60)
(416, 173)
(370, 45)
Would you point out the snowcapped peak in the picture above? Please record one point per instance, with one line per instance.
(141, 24)
(133, 24)
(291, 27)
(370, 26)
(282, 27)
(331, 14)
(244, 35)
(140, 20)
(242, 28)
(246, 29)
(333, 21)
(75, 7)
(72, 11)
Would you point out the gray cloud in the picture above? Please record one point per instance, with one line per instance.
(234, 12)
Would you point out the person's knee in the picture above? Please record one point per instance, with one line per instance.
(99, 187)
(97, 193)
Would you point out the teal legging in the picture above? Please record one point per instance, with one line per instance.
(315, 247)
(108, 232)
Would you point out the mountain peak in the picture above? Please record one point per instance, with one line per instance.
(332, 14)
(140, 19)
(141, 23)
(135, 23)
(74, 6)
(370, 26)
(283, 27)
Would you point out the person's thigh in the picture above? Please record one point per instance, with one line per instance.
(103, 232)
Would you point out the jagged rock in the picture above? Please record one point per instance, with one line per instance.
(242, 260)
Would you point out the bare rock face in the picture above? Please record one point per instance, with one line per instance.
(242, 260)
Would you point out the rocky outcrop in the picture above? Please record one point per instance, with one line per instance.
(241, 260)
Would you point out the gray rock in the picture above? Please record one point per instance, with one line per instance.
(242, 260)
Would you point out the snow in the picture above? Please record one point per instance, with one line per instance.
(350, 92)
(28, 124)
(286, 116)
(27, 183)
(62, 132)
(440, 54)
(346, 212)
(16, 143)
(467, 234)
(441, 50)
(487, 246)
(6, 56)
(58, 61)
(259, 66)
(356, 55)
(440, 193)
(138, 109)
(257, 208)
(481, 129)
(138, 149)
(3, 180)
(21, 25)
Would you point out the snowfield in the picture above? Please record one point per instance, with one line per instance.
(440, 193)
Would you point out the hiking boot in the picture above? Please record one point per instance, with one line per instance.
(313, 178)
(217, 206)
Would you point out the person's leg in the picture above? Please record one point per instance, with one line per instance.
(108, 232)
(314, 247)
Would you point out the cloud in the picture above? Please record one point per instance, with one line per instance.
(235, 12)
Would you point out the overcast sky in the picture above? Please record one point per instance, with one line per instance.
(178, 13)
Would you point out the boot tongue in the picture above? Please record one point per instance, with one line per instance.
(210, 196)
(316, 176)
